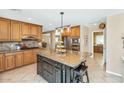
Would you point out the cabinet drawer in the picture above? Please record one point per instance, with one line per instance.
(48, 76)
(48, 67)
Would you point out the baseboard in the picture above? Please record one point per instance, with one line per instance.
(113, 73)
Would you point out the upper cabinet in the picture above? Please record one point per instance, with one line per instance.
(31, 30)
(65, 32)
(34, 30)
(25, 29)
(15, 31)
(40, 32)
(75, 31)
(11, 30)
(4, 29)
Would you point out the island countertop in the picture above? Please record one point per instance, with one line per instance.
(71, 59)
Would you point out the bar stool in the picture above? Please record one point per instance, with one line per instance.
(80, 72)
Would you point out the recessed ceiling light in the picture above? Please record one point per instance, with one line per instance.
(95, 24)
(29, 18)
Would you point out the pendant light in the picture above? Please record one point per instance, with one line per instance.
(62, 27)
(61, 13)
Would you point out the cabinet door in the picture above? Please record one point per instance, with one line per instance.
(57, 75)
(1, 62)
(72, 34)
(64, 32)
(4, 30)
(19, 59)
(35, 52)
(34, 56)
(77, 29)
(25, 29)
(39, 32)
(9, 61)
(34, 30)
(15, 31)
(28, 57)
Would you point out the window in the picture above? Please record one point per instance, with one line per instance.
(99, 39)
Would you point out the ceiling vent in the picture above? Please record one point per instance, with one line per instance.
(16, 10)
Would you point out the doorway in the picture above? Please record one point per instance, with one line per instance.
(98, 44)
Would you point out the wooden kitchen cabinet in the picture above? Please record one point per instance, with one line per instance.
(40, 32)
(35, 52)
(4, 29)
(11, 30)
(28, 57)
(19, 59)
(25, 29)
(15, 31)
(9, 61)
(34, 56)
(34, 30)
(66, 32)
(75, 31)
(1, 62)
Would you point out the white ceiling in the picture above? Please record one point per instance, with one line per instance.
(50, 18)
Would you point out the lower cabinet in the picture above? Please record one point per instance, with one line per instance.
(19, 59)
(35, 52)
(1, 62)
(28, 57)
(9, 61)
(35, 55)
(49, 70)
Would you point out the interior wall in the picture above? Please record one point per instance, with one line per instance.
(53, 40)
(47, 38)
(115, 29)
(83, 38)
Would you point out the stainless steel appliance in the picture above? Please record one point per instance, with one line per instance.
(75, 44)
(67, 42)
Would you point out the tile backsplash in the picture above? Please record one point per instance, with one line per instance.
(13, 45)
(8, 46)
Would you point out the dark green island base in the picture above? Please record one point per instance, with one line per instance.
(57, 68)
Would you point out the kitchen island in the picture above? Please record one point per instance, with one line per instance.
(59, 68)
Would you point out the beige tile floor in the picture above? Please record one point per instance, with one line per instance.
(27, 74)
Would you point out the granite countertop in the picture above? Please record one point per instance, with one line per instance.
(71, 59)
